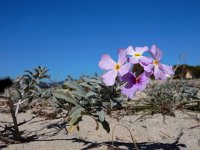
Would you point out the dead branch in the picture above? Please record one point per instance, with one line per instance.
(194, 127)
(6, 140)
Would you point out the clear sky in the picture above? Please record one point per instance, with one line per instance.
(69, 37)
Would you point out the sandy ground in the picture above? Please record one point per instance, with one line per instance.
(150, 133)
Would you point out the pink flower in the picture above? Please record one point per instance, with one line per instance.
(113, 69)
(136, 55)
(134, 84)
(159, 70)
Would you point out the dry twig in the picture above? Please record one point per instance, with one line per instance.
(132, 138)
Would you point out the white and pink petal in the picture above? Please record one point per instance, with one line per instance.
(145, 60)
(134, 60)
(122, 57)
(141, 50)
(130, 51)
(124, 69)
(159, 74)
(167, 69)
(149, 68)
(109, 77)
(156, 52)
(106, 62)
(129, 92)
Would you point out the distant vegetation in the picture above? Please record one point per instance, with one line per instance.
(185, 71)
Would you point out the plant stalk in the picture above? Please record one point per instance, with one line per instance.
(16, 133)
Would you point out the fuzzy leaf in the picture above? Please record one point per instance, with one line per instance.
(65, 95)
(37, 71)
(27, 76)
(89, 94)
(84, 84)
(45, 76)
(75, 117)
(78, 93)
(91, 80)
(73, 85)
(31, 73)
(75, 108)
(101, 115)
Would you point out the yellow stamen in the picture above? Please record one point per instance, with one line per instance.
(137, 54)
(117, 67)
(155, 62)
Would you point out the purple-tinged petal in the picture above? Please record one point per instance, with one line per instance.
(167, 69)
(144, 61)
(124, 69)
(129, 78)
(148, 74)
(129, 92)
(155, 52)
(159, 74)
(149, 68)
(143, 81)
(143, 78)
(130, 51)
(122, 57)
(106, 62)
(134, 60)
(109, 77)
(133, 84)
(141, 87)
(141, 50)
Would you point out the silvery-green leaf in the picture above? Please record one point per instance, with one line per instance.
(72, 85)
(78, 93)
(76, 109)
(75, 115)
(31, 73)
(27, 76)
(84, 84)
(119, 87)
(36, 70)
(101, 115)
(95, 81)
(45, 76)
(44, 72)
(106, 104)
(89, 94)
(65, 95)
(112, 104)
(37, 88)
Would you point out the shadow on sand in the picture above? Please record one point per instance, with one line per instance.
(130, 146)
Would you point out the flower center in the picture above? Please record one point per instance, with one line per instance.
(117, 66)
(155, 62)
(137, 54)
(137, 79)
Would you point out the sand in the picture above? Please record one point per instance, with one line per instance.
(149, 132)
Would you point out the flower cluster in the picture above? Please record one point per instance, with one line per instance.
(128, 58)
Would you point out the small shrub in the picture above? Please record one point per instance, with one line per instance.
(169, 96)
(88, 96)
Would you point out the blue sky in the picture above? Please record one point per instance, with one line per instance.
(69, 37)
